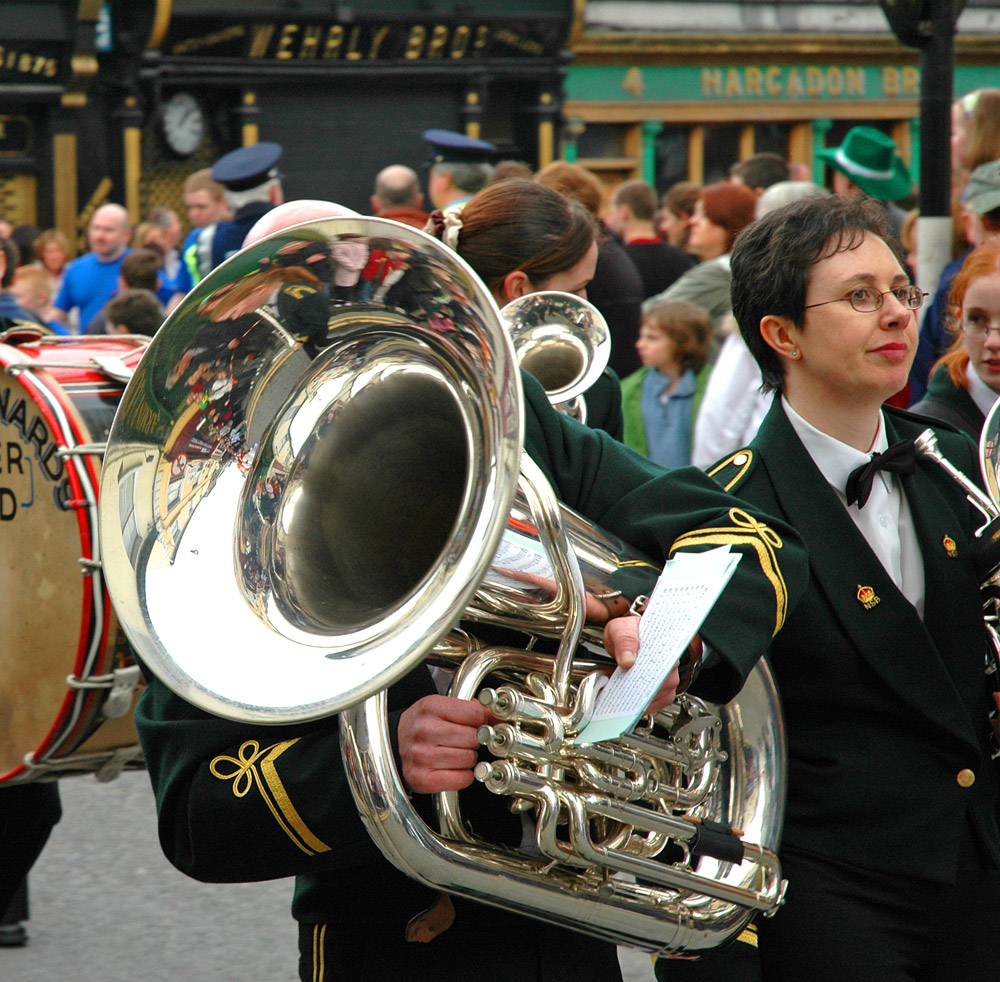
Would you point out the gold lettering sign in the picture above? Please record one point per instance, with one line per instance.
(809, 82)
(901, 81)
(28, 63)
(210, 40)
(362, 40)
(365, 42)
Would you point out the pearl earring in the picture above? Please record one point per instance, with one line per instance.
(794, 352)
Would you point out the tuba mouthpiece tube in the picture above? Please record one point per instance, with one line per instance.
(926, 445)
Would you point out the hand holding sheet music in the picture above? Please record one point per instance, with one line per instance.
(683, 597)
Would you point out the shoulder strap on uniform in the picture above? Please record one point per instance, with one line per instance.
(732, 470)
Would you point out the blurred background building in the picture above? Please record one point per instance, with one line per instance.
(120, 100)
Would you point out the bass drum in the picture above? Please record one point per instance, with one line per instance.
(68, 681)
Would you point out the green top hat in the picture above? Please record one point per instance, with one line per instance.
(867, 157)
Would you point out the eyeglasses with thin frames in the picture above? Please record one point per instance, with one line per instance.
(978, 329)
(865, 300)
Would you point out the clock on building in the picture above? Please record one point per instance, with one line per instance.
(182, 122)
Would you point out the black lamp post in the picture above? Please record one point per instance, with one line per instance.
(930, 26)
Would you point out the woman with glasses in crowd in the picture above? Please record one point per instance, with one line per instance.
(966, 381)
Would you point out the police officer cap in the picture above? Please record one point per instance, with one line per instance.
(247, 167)
(448, 147)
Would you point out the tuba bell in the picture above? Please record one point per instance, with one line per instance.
(563, 341)
(327, 486)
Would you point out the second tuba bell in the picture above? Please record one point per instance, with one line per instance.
(563, 341)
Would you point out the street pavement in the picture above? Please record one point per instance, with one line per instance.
(106, 906)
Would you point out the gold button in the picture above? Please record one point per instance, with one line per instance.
(965, 778)
(740, 459)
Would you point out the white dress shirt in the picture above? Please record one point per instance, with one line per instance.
(885, 521)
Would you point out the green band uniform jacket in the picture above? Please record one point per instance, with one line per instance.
(952, 403)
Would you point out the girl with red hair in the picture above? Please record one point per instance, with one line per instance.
(966, 380)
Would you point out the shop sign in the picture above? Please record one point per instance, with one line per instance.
(442, 39)
(743, 83)
(26, 62)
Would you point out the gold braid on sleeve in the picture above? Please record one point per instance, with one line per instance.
(243, 771)
(746, 531)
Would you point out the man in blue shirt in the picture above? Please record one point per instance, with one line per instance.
(91, 280)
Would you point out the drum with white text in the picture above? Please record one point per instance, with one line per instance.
(68, 681)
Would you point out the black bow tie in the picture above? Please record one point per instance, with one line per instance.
(900, 458)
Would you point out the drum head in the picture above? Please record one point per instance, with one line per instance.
(55, 620)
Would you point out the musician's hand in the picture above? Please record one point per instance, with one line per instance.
(621, 639)
(666, 693)
(597, 609)
(438, 744)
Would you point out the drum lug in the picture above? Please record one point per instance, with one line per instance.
(104, 765)
(121, 685)
(114, 368)
(117, 762)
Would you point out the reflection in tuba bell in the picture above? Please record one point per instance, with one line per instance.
(326, 489)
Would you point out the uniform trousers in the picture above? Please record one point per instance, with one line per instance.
(27, 814)
(844, 923)
(484, 943)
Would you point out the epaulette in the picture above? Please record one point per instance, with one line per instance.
(732, 471)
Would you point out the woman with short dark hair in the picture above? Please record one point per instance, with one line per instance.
(891, 838)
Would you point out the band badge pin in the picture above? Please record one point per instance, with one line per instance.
(867, 597)
(949, 546)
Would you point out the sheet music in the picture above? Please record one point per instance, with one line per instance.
(681, 600)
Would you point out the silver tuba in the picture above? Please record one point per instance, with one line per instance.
(563, 341)
(303, 496)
